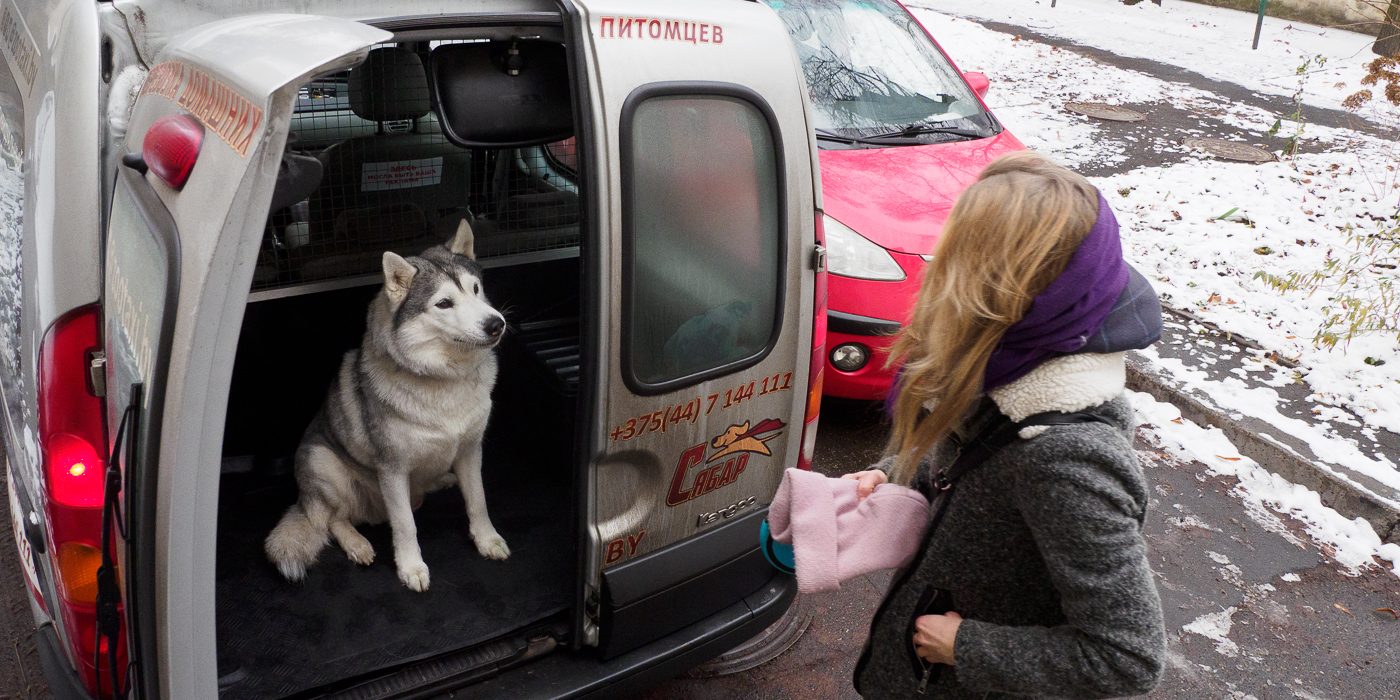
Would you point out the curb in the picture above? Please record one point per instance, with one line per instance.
(1345, 498)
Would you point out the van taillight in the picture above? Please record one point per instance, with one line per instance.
(72, 433)
(171, 148)
(75, 471)
(818, 360)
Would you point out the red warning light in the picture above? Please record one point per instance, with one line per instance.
(171, 148)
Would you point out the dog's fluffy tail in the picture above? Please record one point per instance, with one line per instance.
(294, 544)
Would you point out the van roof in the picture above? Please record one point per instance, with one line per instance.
(153, 23)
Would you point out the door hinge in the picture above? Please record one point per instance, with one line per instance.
(819, 258)
(97, 373)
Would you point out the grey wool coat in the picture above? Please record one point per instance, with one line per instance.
(1042, 552)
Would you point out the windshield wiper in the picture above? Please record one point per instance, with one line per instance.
(918, 129)
(829, 135)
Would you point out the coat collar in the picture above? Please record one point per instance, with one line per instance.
(1065, 384)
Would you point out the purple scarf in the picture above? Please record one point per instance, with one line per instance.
(1066, 314)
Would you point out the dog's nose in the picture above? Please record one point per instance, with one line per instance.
(493, 326)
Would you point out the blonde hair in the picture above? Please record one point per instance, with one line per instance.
(1008, 237)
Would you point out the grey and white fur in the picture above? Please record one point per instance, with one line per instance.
(404, 417)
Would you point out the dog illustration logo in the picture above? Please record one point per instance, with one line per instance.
(738, 443)
(739, 438)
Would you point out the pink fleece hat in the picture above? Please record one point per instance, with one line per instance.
(835, 537)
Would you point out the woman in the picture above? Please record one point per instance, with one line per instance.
(1037, 556)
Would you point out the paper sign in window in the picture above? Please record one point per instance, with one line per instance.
(401, 174)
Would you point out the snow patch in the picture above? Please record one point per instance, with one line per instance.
(1216, 627)
(1351, 543)
(1290, 577)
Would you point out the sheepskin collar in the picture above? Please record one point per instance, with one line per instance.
(1065, 384)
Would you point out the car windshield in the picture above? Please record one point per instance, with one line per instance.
(871, 70)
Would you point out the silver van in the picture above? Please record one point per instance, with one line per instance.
(194, 199)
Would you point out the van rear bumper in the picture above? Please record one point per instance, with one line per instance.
(582, 675)
(63, 681)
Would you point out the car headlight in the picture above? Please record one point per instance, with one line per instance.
(850, 254)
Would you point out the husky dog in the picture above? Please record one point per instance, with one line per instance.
(404, 417)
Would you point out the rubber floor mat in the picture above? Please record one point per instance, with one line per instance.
(277, 638)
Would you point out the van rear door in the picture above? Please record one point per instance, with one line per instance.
(705, 294)
(206, 139)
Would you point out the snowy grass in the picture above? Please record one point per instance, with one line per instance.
(1211, 41)
(1286, 216)
(1202, 228)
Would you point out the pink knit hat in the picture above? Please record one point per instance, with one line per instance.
(836, 537)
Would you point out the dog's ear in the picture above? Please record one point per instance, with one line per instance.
(463, 243)
(398, 275)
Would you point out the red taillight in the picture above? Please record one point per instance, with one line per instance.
(75, 471)
(172, 147)
(818, 359)
(71, 434)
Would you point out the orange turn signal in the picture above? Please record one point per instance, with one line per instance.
(77, 569)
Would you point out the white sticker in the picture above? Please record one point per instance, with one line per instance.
(400, 174)
(26, 554)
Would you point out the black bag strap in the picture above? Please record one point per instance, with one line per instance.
(999, 433)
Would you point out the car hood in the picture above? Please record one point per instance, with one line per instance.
(900, 197)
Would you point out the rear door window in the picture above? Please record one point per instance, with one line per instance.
(702, 236)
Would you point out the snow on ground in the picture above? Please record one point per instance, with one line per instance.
(1287, 216)
(1352, 543)
(1212, 41)
(1216, 627)
(1284, 216)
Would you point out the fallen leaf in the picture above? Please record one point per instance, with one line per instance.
(1290, 337)
(1339, 607)
(1229, 459)
(1178, 421)
(1394, 614)
(1213, 297)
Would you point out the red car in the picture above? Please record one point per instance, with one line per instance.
(902, 133)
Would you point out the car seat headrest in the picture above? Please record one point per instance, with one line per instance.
(391, 85)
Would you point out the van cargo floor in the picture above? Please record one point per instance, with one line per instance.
(278, 638)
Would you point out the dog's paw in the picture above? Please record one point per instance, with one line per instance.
(492, 546)
(361, 552)
(414, 575)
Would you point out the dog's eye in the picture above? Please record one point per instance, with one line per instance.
(476, 288)
(444, 304)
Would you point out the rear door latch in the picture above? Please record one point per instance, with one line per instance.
(97, 373)
(819, 258)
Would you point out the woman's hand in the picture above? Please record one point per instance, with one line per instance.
(868, 481)
(934, 635)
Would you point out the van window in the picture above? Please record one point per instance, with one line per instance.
(391, 180)
(703, 237)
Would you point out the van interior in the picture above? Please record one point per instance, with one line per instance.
(405, 149)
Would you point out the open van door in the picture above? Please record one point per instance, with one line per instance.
(204, 150)
(704, 280)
